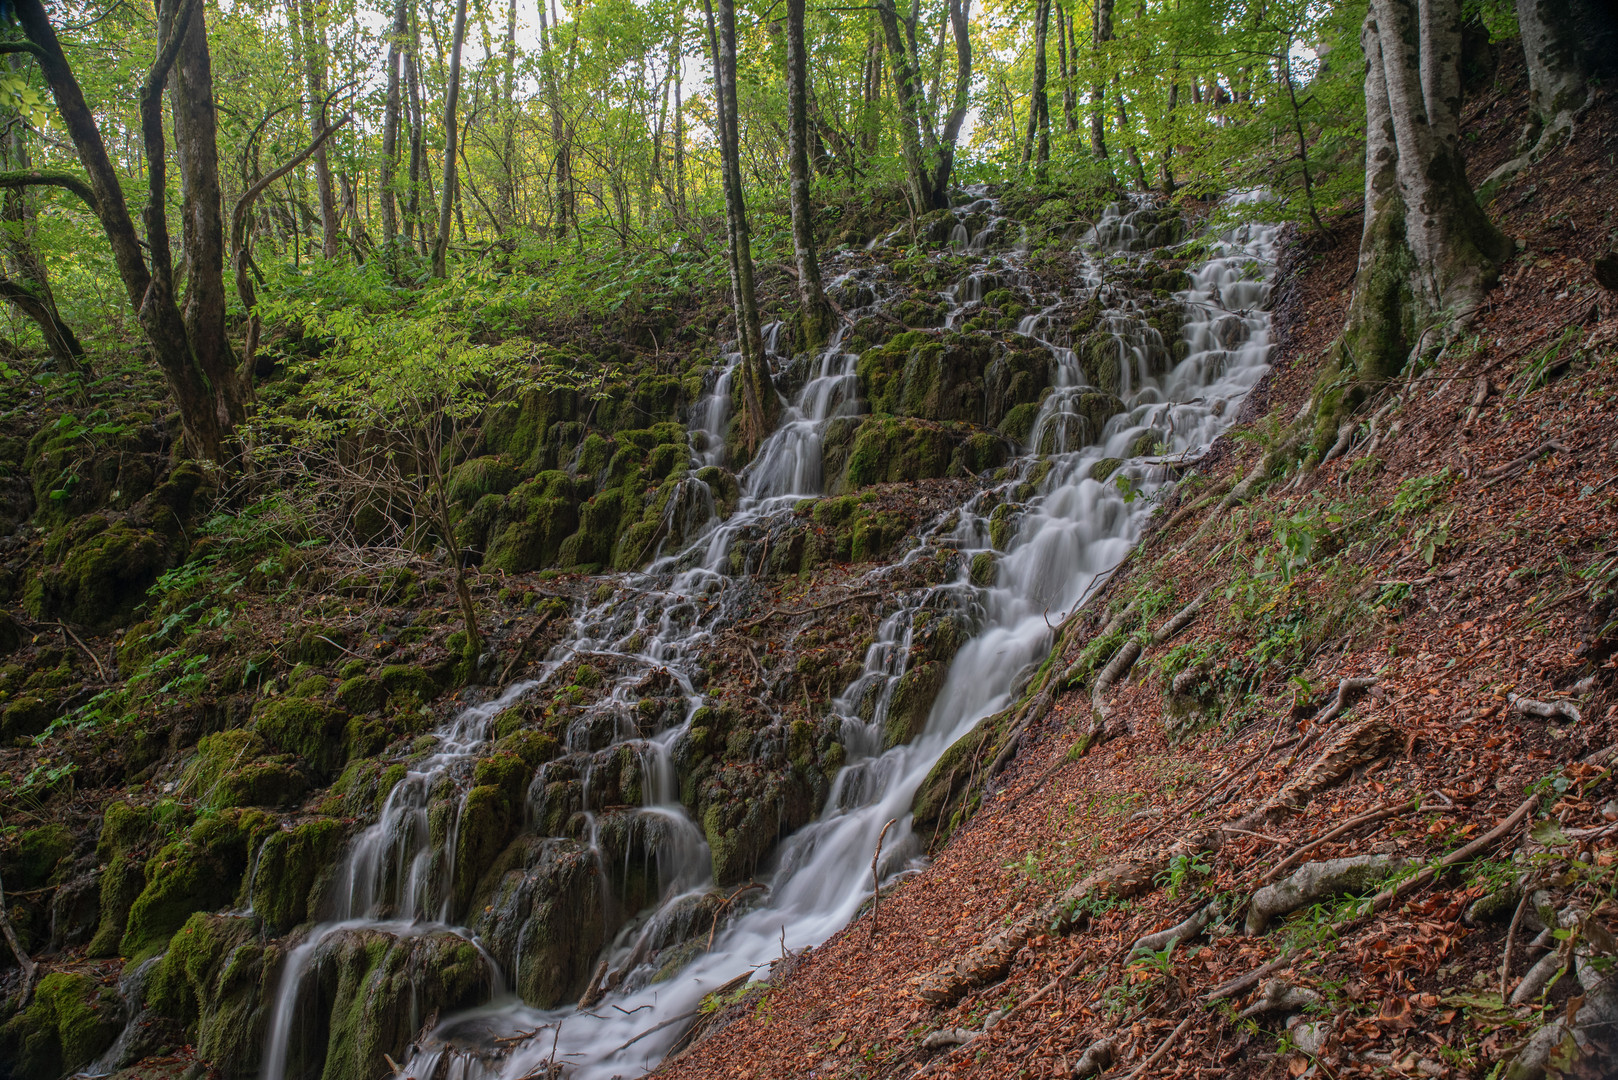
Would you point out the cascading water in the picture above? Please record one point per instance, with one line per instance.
(1060, 528)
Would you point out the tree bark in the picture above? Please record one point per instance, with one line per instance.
(907, 88)
(452, 133)
(313, 48)
(1428, 253)
(30, 292)
(390, 126)
(960, 25)
(814, 313)
(1100, 34)
(759, 401)
(190, 347)
(1064, 33)
(1558, 77)
(561, 145)
(415, 228)
(506, 196)
(1038, 101)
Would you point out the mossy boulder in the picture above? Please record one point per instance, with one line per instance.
(214, 981)
(744, 810)
(238, 768)
(404, 679)
(366, 992)
(311, 731)
(488, 818)
(102, 579)
(295, 865)
(71, 1021)
(889, 449)
(202, 871)
(361, 694)
(952, 772)
(472, 480)
(540, 913)
(33, 861)
(126, 832)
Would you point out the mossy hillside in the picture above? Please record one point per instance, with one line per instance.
(215, 980)
(952, 376)
(103, 576)
(540, 911)
(295, 865)
(69, 1022)
(201, 871)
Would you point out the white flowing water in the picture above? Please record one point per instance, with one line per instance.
(1073, 529)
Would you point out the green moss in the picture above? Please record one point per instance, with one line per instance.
(535, 748)
(309, 730)
(1018, 422)
(361, 694)
(487, 820)
(200, 872)
(125, 832)
(69, 1022)
(38, 852)
(912, 700)
(293, 865)
(889, 449)
(213, 981)
(403, 679)
(951, 773)
(1104, 468)
(472, 480)
(984, 565)
(237, 768)
(315, 686)
(103, 578)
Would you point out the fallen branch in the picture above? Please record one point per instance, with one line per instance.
(720, 910)
(876, 882)
(527, 643)
(1243, 983)
(1388, 896)
(1163, 1048)
(24, 961)
(1518, 464)
(1348, 826)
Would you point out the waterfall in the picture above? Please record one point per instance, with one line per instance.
(1071, 530)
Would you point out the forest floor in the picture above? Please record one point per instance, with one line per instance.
(1461, 559)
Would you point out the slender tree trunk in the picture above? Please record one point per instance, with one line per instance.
(960, 25)
(907, 88)
(561, 146)
(1100, 34)
(680, 210)
(1039, 126)
(814, 314)
(759, 401)
(390, 126)
(506, 196)
(871, 99)
(415, 227)
(1558, 83)
(29, 289)
(1168, 137)
(1130, 150)
(1064, 29)
(313, 47)
(452, 133)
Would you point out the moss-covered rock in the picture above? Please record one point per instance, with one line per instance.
(126, 831)
(952, 772)
(361, 694)
(366, 993)
(540, 913)
(103, 576)
(891, 449)
(200, 872)
(472, 480)
(237, 768)
(309, 730)
(214, 981)
(403, 679)
(488, 818)
(294, 867)
(69, 1022)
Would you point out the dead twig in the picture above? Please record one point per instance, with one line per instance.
(1521, 462)
(720, 910)
(1163, 1047)
(1387, 897)
(24, 961)
(1348, 826)
(876, 882)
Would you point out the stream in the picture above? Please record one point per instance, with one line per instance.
(1062, 541)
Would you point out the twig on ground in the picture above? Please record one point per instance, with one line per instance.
(876, 882)
(1163, 1048)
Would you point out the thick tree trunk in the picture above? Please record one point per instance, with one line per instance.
(1428, 254)
(390, 125)
(313, 48)
(1558, 77)
(1100, 34)
(452, 133)
(814, 314)
(759, 402)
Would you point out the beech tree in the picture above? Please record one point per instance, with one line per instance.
(814, 313)
(1428, 253)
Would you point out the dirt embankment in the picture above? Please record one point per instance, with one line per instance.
(1459, 562)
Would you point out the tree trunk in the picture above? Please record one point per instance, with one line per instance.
(814, 314)
(1038, 102)
(679, 137)
(414, 227)
(1064, 33)
(960, 24)
(561, 146)
(313, 47)
(452, 133)
(506, 196)
(1558, 77)
(390, 126)
(906, 87)
(759, 401)
(189, 348)
(1428, 254)
(1100, 34)
(30, 292)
